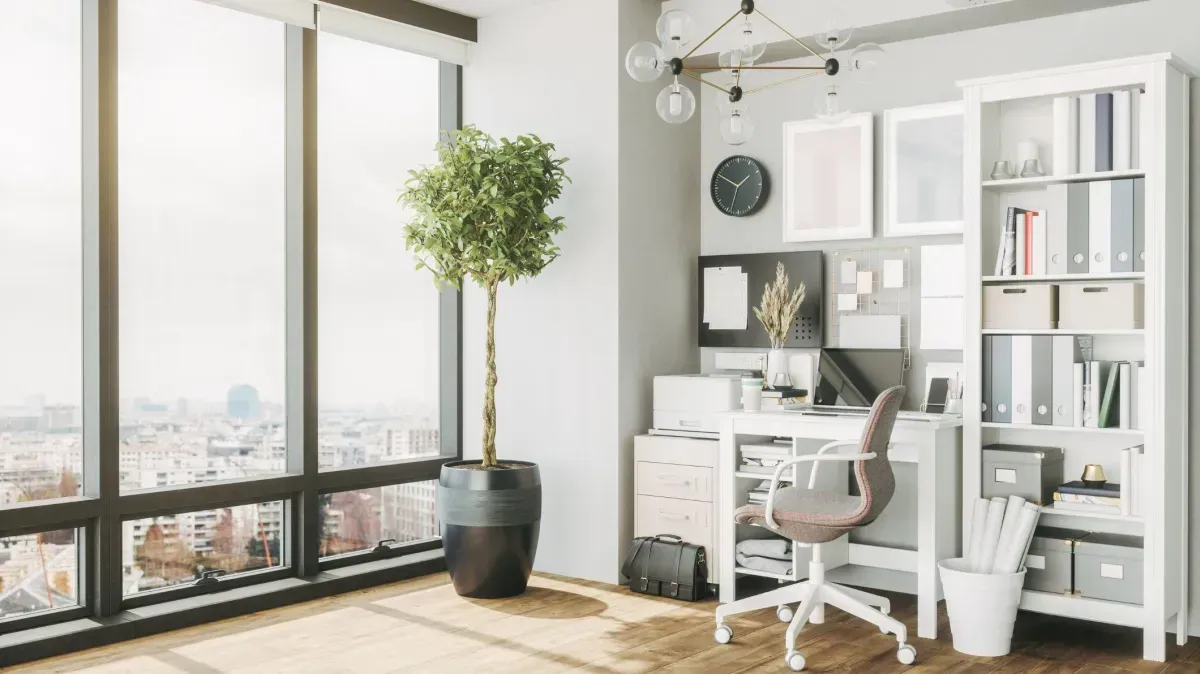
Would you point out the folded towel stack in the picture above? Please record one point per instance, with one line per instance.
(765, 554)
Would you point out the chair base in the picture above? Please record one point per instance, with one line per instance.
(813, 594)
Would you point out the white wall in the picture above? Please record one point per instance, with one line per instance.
(577, 346)
(924, 71)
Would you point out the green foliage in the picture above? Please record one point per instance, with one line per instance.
(480, 212)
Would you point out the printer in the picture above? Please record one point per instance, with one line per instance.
(692, 402)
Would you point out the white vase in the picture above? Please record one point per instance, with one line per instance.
(777, 369)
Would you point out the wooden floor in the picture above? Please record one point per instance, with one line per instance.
(563, 624)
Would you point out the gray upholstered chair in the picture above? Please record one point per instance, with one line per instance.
(810, 518)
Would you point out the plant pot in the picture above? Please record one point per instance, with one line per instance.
(777, 369)
(490, 521)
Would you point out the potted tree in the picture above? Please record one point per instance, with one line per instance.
(480, 213)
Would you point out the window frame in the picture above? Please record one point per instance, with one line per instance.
(100, 510)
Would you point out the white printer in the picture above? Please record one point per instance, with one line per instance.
(691, 402)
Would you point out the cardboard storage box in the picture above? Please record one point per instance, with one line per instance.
(1033, 473)
(1050, 559)
(1020, 307)
(1101, 306)
(1109, 567)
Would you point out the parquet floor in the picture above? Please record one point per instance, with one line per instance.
(563, 624)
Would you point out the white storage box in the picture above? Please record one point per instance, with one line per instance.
(693, 402)
(1102, 306)
(1020, 307)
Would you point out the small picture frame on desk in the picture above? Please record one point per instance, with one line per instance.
(922, 170)
(828, 179)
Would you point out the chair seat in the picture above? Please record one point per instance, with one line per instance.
(807, 516)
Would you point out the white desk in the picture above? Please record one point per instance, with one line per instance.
(935, 446)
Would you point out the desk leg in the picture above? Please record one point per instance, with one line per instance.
(726, 529)
(927, 539)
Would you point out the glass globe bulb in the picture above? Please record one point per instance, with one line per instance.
(834, 38)
(676, 103)
(676, 30)
(735, 124)
(754, 43)
(829, 107)
(733, 59)
(644, 62)
(866, 57)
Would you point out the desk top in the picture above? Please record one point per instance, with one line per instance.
(814, 418)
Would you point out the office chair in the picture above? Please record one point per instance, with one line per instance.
(810, 518)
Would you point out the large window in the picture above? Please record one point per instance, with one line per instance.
(201, 105)
(40, 247)
(38, 572)
(379, 335)
(352, 521)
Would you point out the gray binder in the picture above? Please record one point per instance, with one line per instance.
(1065, 354)
(987, 378)
(1040, 377)
(1057, 209)
(1078, 227)
(1122, 226)
(1002, 378)
(1104, 132)
(1139, 224)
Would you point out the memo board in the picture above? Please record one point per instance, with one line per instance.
(807, 267)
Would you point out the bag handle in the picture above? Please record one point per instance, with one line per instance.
(669, 536)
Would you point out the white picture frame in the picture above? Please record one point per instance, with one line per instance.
(829, 179)
(923, 170)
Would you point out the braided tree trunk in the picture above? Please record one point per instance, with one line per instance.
(489, 391)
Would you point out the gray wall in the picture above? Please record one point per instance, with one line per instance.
(925, 71)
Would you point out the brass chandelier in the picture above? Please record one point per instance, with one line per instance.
(647, 61)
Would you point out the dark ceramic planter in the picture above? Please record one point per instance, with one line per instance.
(490, 521)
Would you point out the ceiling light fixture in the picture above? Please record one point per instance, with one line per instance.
(646, 62)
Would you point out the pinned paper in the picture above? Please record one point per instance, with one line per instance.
(849, 272)
(865, 282)
(847, 302)
(726, 298)
(893, 273)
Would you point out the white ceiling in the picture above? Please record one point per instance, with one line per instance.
(480, 8)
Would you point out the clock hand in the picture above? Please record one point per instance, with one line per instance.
(743, 180)
(728, 180)
(733, 201)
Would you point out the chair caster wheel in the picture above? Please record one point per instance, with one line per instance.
(795, 661)
(784, 613)
(906, 655)
(724, 634)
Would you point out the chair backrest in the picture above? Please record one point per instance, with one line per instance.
(876, 482)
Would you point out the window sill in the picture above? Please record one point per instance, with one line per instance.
(73, 635)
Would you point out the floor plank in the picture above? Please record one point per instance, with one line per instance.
(563, 625)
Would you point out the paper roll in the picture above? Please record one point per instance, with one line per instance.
(1011, 510)
(1012, 553)
(991, 536)
(978, 521)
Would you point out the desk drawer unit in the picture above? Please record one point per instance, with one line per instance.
(690, 520)
(675, 481)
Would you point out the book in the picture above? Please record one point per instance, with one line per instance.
(1104, 132)
(1109, 401)
(1008, 241)
(1122, 124)
(1124, 387)
(1038, 247)
(1022, 241)
(785, 393)
(1087, 507)
(1077, 370)
(1091, 393)
(1083, 498)
(1141, 398)
(1110, 489)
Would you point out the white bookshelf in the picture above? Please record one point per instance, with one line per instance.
(999, 113)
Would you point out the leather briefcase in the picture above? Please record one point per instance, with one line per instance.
(665, 565)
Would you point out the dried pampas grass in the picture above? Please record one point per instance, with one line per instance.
(779, 307)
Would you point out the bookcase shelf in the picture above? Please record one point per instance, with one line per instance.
(1043, 181)
(1080, 514)
(1138, 332)
(1096, 610)
(1064, 429)
(1062, 278)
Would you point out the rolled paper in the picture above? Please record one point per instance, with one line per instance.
(991, 535)
(1010, 556)
(978, 522)
(1011, 510)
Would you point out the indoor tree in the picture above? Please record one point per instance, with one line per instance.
(480, 213)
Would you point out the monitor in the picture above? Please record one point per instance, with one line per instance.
(855, 377)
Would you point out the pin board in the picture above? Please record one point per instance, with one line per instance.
(731, 275)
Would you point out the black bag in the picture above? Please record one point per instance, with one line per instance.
(666, 566)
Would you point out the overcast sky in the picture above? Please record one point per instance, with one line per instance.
(201, 96)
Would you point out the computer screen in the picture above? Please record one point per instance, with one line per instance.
(854, 377)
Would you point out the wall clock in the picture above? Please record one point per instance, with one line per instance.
(739, 186)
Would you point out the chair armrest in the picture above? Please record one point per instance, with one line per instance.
(812, 476)
(770, 505)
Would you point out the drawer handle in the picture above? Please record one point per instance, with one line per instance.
(1095, 290)
(671, 479)
(689, 424)
(667, 514)
(1014, 291)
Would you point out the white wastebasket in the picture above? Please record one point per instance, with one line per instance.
(982, 607)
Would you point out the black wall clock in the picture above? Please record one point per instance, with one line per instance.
(739, 186)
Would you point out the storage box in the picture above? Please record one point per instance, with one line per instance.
(1109, 567)
(1033, 473)
(1049, 562)
(1020, 307)
(1102, 306)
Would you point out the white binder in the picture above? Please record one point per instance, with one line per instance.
(1062, 379)
(1122, 130)
(1022, 379)
(1087, 133)
(1066, 136)
(1055, 216)
(1100, 231)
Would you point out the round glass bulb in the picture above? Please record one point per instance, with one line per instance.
(676, 30)
(733, 59)
(834, 38)
(644, 62)
(735, 123)
(676, 103)
(866, 57)
(829, 107)
(754, 43)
